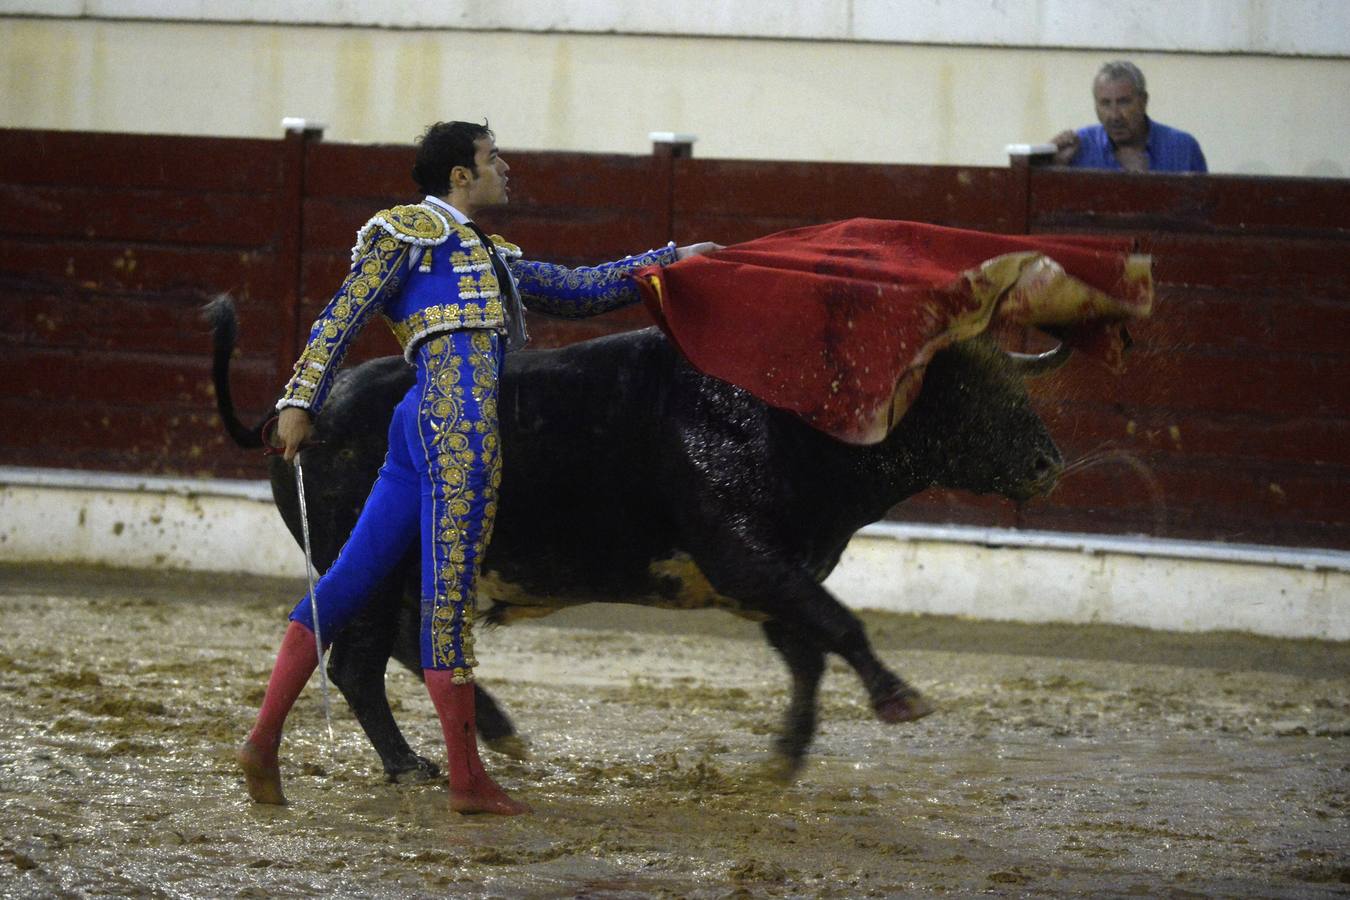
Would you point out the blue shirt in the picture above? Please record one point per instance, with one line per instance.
(1169, 150)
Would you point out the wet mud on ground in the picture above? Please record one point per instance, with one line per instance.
(1062, 761)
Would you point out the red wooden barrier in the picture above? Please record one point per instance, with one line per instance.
(1231, 423)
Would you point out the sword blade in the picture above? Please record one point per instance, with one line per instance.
(313, 602)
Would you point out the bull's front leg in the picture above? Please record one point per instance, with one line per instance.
(839, 631)
(764, 581)
(356, 664)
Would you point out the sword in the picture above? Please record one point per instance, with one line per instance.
(270, 449)
(313, 601)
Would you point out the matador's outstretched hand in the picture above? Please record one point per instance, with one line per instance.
(698, 249)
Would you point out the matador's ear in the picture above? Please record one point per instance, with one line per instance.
(460, 176)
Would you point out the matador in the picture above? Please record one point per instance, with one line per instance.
(454, 298)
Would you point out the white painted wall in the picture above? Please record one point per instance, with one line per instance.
(229, 526)
(1294, 27)
(897, 85)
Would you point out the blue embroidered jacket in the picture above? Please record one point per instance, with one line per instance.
(426, 273)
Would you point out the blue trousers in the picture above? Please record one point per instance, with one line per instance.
(439, 483)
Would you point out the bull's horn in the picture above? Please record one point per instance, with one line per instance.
(1029, 365)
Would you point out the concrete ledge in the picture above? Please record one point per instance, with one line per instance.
(1050, 577)
(141, 521)
(136, 521)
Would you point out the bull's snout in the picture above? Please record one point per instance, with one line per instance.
(1036, 473)
(1038, 476)
(1047, 468)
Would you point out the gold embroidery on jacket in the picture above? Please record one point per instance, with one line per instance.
(586, 291)
(413, 224)
(448, 317)
(376, 263)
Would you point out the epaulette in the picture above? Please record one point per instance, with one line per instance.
(505, 247)
(414, 223)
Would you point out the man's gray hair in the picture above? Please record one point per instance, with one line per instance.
(1123, 70)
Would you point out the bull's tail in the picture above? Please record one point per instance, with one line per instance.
(220, 315)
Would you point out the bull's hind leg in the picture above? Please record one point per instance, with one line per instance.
(806, 662)
(495, 729)
(356, 665)
(494, 726)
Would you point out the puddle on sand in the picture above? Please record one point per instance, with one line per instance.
(1218, 768)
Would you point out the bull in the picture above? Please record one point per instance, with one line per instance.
(631, 477)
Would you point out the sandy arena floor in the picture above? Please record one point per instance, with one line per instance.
(1062, 761)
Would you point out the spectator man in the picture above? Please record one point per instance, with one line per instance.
(1127, 139)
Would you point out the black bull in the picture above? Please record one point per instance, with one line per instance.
(631, 477)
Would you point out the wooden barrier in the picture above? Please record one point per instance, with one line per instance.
(1232, 422)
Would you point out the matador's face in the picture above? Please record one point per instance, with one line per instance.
(488, 187)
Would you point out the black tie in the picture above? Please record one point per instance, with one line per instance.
(498, 267)
(517, 336)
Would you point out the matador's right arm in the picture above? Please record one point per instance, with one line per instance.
(379, 269)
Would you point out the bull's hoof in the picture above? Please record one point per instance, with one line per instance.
(509, 745)
(414, 770)
(781, 769)
(905, 705)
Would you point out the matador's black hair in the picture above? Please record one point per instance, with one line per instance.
(441, 147)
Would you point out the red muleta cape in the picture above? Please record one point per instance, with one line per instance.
(837, 322)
